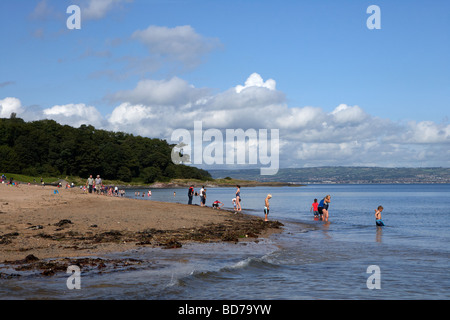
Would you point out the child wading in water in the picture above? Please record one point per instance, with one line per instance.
(378, 220)
(314, 208)
(266, 207)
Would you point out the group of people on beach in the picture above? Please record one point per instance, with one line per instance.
(236, 201)
(216, 204)
(5, 180)
(96, 186)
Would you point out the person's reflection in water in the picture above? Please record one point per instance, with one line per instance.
(379, 234)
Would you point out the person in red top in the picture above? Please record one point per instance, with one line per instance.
(216, 204)
(314, 207)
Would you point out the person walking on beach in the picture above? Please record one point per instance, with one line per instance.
(314, 208)
(234, 204)
(378, 220)
(238, 198)
(323, 207)
(190, 194)
(98, 184)
(266, 207)
(90, 183)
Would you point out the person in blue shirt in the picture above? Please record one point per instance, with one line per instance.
(323, 207)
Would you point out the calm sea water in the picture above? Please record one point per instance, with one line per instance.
(325, 260)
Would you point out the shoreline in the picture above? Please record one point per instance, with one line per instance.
(39, 228)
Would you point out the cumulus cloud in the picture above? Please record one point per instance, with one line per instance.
(345, 114)
(255, 80)
(74, 115)
(309, 136)
(174, 91)
(10, 105)
(426, 132)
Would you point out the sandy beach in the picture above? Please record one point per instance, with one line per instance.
(36, 224)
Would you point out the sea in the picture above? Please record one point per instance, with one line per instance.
(345, 258)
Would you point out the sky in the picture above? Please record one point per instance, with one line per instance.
(340, 93)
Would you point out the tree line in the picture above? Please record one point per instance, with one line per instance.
(46, 148)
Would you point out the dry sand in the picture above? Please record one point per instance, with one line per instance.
(36, 223)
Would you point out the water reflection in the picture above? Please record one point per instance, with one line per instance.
(379, 234)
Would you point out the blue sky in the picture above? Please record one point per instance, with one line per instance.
(341, 89)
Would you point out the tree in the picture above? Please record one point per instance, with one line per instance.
(48, 148)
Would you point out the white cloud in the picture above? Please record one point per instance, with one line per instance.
(98, 9)
(426, 132)
(345, 114)
(296, 118)
(255, 80)
(310, 136)
(174, 91)
(74, 115)
(181, 43)
(10, 105)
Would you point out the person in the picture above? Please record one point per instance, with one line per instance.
(378, 220)
(266, 207)
(190, 194)
(216, 203)
(323, 207)
(314, 207)
(201, 196)
(90, 183)
(98, 184)
(204, 198)
(238, 198)
(234, 204)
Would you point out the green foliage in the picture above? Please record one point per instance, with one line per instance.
(46, 148)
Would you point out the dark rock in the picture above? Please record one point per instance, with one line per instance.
(63, 223)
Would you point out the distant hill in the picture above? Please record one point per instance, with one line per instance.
(342, 175)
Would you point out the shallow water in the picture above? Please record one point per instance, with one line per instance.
(327, 260)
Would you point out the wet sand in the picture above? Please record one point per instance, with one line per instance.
(37, 224)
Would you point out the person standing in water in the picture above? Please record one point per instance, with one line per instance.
(238, 198)
(378, 220)
(190, 194)
(314, 207)
(323, 207)
(266, 207)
